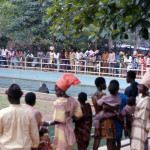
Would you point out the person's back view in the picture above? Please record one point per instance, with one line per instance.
(43, 89)
(18, 127)
(132, 90)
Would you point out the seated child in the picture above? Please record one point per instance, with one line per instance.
(83, 125)
(45, 144)
(127, 113)
(103, 121)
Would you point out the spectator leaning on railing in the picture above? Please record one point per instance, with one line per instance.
(72, 59)
(104, 59)
(76, 62)
(4, 51)
(111, 60)
(57, 59)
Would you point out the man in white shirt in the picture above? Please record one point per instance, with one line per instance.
(148, 60)
(78, 57)
(30, 57)
(56, 57)
(18, 126)
(4, 51)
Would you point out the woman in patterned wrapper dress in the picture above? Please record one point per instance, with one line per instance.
(64, 108)
(104, 120)
(141, 119)
(83, 125)
(101, 85)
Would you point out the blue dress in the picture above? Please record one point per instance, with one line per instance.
(118, 125)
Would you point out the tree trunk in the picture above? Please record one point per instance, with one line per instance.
(138, 43)
(96, 44)
(110, 44)
(53, 40)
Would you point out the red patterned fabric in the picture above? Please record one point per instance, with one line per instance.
(67, 80)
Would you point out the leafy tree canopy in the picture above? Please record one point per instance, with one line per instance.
(101, 17)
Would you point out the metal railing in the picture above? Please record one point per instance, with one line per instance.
(114, 69)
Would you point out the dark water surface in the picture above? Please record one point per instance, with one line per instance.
(30, 85)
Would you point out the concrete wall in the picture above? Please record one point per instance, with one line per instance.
(86, 80)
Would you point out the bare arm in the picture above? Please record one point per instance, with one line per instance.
(50, 123)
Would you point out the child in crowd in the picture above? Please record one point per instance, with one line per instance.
(104, 118)
(100, 84)
(119, 124)
(45, 143)
(127, 114)
(83, 125)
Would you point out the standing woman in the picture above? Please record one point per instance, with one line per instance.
(141, 121)
(64, 108)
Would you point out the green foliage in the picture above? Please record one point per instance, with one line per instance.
(3, 40)
(28, 21)
(108, 17)
(7, 13)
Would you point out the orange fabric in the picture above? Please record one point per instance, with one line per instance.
(136, 55)
(67, 80)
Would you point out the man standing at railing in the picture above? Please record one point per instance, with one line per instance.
(4, 51)
(29, 58)
(104, 59)
(78, 57)
(57, 58)
(148, 60)
(111, 60)
(72, 59)
(52, 48)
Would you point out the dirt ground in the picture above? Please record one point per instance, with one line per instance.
(45, 103)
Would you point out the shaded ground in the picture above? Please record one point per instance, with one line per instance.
(44, 103)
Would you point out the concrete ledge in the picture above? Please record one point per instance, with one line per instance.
(86, 80)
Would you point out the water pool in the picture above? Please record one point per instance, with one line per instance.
(33, 85)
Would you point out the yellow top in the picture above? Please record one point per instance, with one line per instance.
(18, 128)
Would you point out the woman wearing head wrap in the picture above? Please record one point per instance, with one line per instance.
(141, 120)
(65, 107)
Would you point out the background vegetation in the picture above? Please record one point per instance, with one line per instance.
(79, 24)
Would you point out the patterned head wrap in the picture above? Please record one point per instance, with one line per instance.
(67, 80)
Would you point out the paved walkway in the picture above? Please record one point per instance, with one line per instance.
(122, 143)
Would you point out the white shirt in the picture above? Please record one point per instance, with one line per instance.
(18, 128)
(77, 56)
(148, 60)
(4, 51)
(56, 56)
(30, 55)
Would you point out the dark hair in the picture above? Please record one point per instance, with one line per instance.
(131, 101)
(43, 84)
(82, 97)
(99, 81)
(131, 74)
(14, 91)
(113, 87)
(30, 98)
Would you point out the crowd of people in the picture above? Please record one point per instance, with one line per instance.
(22, 128)
(90, 60)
